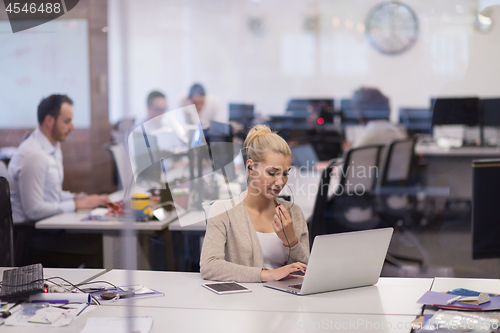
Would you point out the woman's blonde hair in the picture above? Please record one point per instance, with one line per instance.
(261, 140)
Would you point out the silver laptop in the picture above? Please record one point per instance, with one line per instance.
(341, 261)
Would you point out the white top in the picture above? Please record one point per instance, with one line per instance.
(212, 110)
(272, 249)
(379, 133)
(35, 178)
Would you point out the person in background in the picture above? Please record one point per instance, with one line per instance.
(156, 106)
(36, 169)
(377, 132)
(261, 238)
(207, 106)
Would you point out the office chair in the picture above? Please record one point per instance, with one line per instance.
(122, 163)
(396, 196)
(6, 226)
(3, 169)
(352, 206)
(122, 129)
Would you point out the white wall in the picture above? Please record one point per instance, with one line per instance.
(168, 45)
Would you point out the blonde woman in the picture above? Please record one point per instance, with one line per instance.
(257, 237)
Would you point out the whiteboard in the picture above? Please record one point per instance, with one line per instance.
(48, 59)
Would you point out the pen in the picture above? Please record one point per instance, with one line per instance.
(51, 301)
(7, 313)
(453, 300)
(82, 310)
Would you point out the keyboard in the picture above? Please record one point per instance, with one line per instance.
(21, 282)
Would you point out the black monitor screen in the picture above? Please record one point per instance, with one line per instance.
(491, 111)
(455, 111)
(485, 212)
(323, 107)
(241, 111)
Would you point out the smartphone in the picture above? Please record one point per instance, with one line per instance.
(223, 288)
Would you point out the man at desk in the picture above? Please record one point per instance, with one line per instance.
(157, 105)
(207, 106)
(376, 132)
(36, 170)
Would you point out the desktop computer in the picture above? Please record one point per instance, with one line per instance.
(242, 113)
(490, 111)
(455, 111)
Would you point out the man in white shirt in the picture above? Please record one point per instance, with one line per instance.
(208, 107)
(36, 169)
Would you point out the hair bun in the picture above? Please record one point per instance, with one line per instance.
(255, 132)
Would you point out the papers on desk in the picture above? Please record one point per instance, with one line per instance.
(438, 299)
(138, 290)
(118, 325)
(455, 321)
(43, 315)
(97, 214)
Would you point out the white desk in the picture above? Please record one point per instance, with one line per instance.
(231, 321)
(452, 167)
(73, 275)
(112, 238)
(389, 306)
(482, 285)
(390, 296)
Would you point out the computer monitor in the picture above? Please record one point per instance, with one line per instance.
(219, 137)
(323, 107)
(416, 120)
(490, 108)
(455, 111)
(241, 113)
(485, 212)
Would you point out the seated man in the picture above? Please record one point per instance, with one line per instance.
(377, 132)
(36, 170)
(207, 106)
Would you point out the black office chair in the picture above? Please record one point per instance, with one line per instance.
(396, 192)
(352, 206)
(6, 226)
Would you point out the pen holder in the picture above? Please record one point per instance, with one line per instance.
(141, 208)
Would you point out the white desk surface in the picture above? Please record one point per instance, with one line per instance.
(74, 221)
(434, 150)
(197, 215)
(442, 284)
(395, 296)
(203, 320)
(73, 275)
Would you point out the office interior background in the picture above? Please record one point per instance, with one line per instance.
(108, 55)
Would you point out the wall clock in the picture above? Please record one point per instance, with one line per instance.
(392, 27)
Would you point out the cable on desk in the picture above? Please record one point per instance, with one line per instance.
(50, 280)
(83, 284)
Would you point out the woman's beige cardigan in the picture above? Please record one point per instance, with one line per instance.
(231, 250)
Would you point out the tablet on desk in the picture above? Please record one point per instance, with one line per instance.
(223, 288)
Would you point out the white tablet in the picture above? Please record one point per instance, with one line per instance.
(222, 288)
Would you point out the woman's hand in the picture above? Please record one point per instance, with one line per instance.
(285, 228)
(279, 273)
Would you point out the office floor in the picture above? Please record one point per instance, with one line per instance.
(445, 246)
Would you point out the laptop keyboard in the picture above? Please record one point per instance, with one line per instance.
(296, 286)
